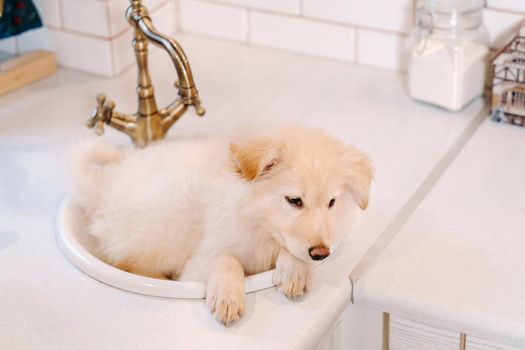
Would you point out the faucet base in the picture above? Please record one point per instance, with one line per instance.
(143, 129)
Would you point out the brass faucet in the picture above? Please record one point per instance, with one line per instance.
(149, 124)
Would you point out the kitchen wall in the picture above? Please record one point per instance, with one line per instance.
(371, 32)
(92, 34)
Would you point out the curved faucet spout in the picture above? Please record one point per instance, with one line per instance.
(187, 90)
(149, 123)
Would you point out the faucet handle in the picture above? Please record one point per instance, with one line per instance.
(198, 107)
(101, 114)
(197, 104)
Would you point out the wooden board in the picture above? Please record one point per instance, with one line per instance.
(25, 69)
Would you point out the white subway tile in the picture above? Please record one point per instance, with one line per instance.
(89, 17)
(501, 26)
(49, 11)
(117, 18)
(393, 15)
(154, 4)
(122, 51)
(214, 20)
(511, 5)
(82, 52)
(33, 40)
(164, 18)
(301, 35)
(382, 49)
(284, 6)
(8, 45)
(335, 10)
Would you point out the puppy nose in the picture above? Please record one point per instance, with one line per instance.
(319, 252)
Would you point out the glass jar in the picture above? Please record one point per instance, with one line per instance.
(449, 56)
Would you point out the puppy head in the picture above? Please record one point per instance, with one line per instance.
(303, 184)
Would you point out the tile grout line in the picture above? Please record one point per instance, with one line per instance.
(126, 29)
(111, 42)
(17, 47)
(356, 45)
(61, 14)
(248, 26)
(113, 59)
(388, 234)
(351, 61)
(178, 17)
(108, 20)
(503, 10)
(84, 34)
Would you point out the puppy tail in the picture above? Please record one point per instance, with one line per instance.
(87, 161)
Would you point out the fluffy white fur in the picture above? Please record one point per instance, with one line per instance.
(217, 209)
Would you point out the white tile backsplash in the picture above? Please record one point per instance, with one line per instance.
(381, 49)
(86, 16)
(117, 19)
(36, 39)
(153, 5)
(122, 51)
(82, 52)
(50, 12)
(501, 26)
(282, 6)
(89, 39)
(331, 10)
(511, 5)
(8, 45)
(164, 18)
(214, 20)
(391, 15)
(302, 35)
(367, 32)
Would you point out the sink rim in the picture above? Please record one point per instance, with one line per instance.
(86, 262)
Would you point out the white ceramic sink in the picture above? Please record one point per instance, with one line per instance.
(77, 247)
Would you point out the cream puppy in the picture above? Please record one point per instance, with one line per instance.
(218, 209)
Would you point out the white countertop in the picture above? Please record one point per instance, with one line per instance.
(459, 261)
(46, 302)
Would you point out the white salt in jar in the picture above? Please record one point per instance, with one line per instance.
(449, 58)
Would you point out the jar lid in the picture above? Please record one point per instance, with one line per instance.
(451, 15)
(453, 6)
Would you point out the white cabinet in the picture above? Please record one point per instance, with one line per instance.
(408, 335)
(359, 328)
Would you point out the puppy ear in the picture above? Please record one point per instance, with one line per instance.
(359, 172)
(255, 157)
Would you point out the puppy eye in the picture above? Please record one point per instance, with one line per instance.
(332, 202)
(295, 201)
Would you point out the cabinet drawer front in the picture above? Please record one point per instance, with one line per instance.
(475, 343)
(408, 335)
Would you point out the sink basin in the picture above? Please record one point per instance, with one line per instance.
(78, 247)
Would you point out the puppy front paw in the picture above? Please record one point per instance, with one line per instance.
(226, 302)
(292, 278)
